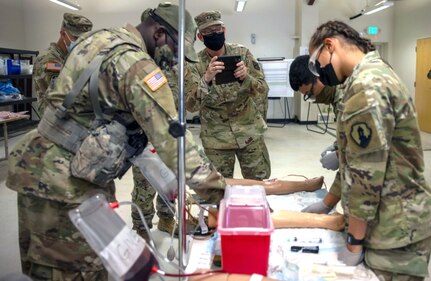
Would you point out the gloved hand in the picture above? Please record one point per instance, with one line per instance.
(328, 149)
(330, 161)
(349, 258)
(317, 208)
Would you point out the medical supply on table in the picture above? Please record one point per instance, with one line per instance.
(314, 240)
(305, 249)
(123, 252)
(245, 227)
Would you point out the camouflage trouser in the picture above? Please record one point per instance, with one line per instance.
(44, 273)
(253, 160)
(50, 245)
(143, 195)
(409, 263)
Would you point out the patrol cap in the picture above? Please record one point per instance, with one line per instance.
(76, 24)
(167, 13)
(207, 19)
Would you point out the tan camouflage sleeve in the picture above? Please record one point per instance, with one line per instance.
(196, 88)
(41, 80)
(150, 100)
(336, 186)
(256, 81)
(366, 155)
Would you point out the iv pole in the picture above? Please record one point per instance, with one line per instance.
(182, 242)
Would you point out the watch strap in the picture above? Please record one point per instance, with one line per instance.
(351, 240)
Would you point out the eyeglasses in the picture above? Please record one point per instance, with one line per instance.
(313, 63)
(309, 93)
(212, 29)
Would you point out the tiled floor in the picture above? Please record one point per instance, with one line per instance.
(293, 150)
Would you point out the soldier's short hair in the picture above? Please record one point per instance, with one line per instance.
(299, 74)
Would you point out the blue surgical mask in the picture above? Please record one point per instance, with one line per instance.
(71, 45)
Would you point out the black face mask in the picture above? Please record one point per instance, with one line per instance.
(327, 74)
(164, 57)
(214, 41)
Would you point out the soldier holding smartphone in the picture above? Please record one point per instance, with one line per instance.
(232, 114)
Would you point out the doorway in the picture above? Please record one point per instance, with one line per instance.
(423, 83)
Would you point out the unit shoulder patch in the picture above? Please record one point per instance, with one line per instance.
(256, 65)
(361, 134)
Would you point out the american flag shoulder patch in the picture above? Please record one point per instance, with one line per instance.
(53, 66)
(155, 80)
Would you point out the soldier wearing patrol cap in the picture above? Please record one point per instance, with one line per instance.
(48, 64)
(130, 84)
(143, 193)
(233, 115)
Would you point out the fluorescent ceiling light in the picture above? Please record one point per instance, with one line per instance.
(239, 5)
(376, 8)
(67, 4)
(379, 6)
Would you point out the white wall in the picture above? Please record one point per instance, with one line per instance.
(12, 24)
(273, 28)
(346, 9)
(32, 24)
(410, 23)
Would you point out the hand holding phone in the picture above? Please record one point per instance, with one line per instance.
(231, 66)
(213, 68)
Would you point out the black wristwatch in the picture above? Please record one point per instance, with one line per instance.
(351, 240)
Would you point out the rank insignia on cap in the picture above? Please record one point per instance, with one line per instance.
(53, 66)
(361, 134)
(155, 80)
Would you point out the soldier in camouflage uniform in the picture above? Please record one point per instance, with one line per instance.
(129, 82)
(301, 79)
(385, 197)
(233, 114)
(143, 193)
(48, 63)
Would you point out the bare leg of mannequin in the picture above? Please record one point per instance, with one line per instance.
(288, 219)
(278, 187)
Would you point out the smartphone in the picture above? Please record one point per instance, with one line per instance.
(227, 75)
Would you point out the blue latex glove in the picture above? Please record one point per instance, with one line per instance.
(349, 258)
(328, 149)
(317, 208)
(330, 161)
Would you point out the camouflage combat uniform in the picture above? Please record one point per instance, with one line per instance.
(46, 68)
(39, 170)
(231, 123)
(332, 96)
(143, 193)
(48, 63)
(381, 167)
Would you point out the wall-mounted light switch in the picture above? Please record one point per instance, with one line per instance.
(253, 38)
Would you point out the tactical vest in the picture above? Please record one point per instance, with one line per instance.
(101, 151)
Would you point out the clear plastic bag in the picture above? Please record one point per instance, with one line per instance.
(123, 252)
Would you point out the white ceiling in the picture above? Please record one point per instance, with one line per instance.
(109, 6)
